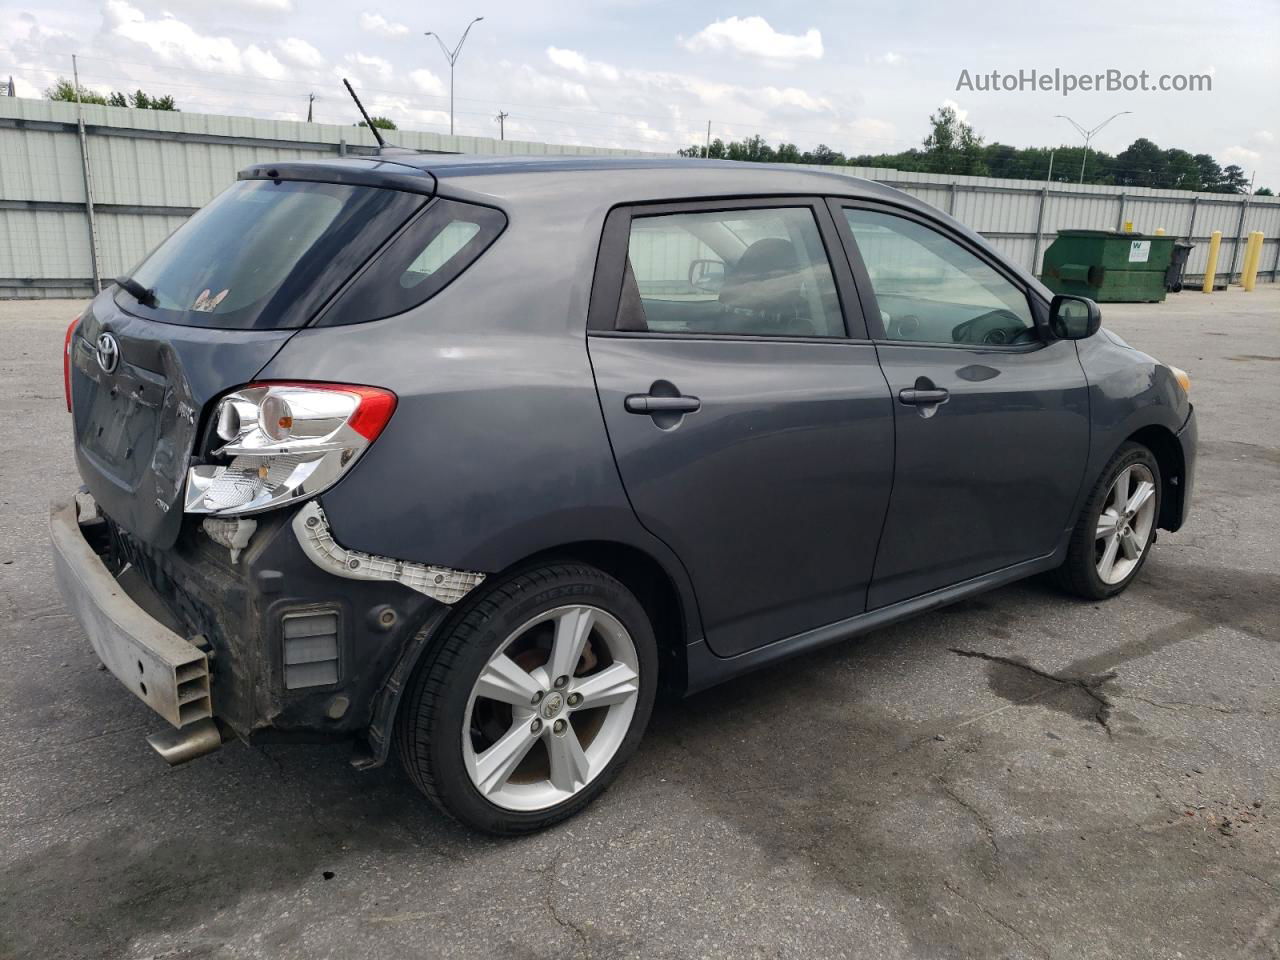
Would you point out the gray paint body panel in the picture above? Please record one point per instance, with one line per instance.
(773, 492)
(500, 447)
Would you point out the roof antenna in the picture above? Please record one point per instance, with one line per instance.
(374, 130)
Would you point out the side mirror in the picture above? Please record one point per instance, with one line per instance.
(706, 276)
(1073, 318)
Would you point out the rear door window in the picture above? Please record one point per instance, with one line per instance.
(742, 272)
(267, 254)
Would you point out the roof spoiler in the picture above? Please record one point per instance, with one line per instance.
(358, 171)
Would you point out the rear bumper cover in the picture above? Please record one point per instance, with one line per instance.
(169, 674)
(188, 612)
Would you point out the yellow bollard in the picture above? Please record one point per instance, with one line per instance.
(1128, 226)
(1211, 265)
(1252, 257)
(1159, 232)
(1248, 257)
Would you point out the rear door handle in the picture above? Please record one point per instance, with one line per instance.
(917, 397)
(644, 403)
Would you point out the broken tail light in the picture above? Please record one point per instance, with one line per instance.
(277, 443)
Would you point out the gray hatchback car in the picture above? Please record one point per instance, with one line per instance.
(468, 458)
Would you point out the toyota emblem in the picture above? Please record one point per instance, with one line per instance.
(108, 353)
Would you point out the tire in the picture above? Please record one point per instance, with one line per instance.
(1085, 572)
(449, 719)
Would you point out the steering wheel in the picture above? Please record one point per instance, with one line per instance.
(997, 327)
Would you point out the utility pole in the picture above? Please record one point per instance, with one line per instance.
(1088, 134)
(88, 180)
(311, 99)
(707, 153)
(502, 127)
(452, 57)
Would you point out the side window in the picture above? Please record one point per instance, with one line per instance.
(446, 238)
(748, 272)
(932, 290)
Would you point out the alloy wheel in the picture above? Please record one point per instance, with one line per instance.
(1125, 524)
(551, 708)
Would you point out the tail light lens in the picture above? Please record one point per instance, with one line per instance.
(66, 361)
(282, 442)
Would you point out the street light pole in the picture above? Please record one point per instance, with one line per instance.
(452, 57)
(1088, 134)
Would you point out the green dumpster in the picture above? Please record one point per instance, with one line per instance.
(1108, 267)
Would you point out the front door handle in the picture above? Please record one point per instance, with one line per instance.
(921, 397)
(646, 403)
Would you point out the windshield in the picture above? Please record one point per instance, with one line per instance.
(267, 254)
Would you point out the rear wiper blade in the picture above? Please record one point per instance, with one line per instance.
(143, 295)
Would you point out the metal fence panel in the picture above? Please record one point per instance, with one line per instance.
(152, 168)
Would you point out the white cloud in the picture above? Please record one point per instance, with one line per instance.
(754, 37)
(1240, 156)
(1263, 136)
(301, 53)
(366, 64)
(174, 41)
(541, 87)
(377, 23)
(263, 63)
(888, 59)
(961, 114)
(794, 97)
(567, 59)
(428, 82)
(575, 62)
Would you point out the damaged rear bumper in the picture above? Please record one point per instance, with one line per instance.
(280, 639)
(164, 671)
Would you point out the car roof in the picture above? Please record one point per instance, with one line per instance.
(580, 180)
(618, 176)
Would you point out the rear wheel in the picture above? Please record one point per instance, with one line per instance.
(1116, 528)
(532, 701)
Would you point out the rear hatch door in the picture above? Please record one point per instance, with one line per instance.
(222, 295)
(138, 388)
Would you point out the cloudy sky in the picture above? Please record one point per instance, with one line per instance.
(859, 76)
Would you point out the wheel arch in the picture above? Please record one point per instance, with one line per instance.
(667, 606)
(1164, 446)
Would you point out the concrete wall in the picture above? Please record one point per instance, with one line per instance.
(151, 170)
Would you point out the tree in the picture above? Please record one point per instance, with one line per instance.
(65, 90)
(1263, 192)
(141, 101)
(824, 155)
(382, 123)
(952, 146)
(1234, 180)
(1210, 172)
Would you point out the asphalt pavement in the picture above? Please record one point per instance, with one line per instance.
(1021, 775)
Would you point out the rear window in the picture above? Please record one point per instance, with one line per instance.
(268, 254)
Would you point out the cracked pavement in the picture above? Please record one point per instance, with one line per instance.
(1021, 775)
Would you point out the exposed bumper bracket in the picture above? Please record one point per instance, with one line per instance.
(316, 539)
(168, 673)
(193, 740)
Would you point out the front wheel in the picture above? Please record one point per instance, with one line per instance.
(532, 701)
(1116, 528)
